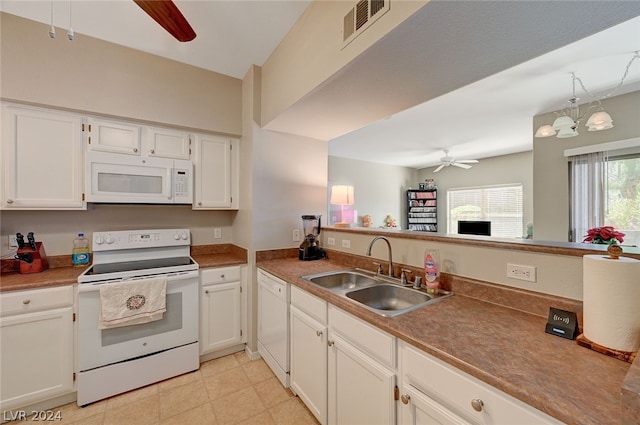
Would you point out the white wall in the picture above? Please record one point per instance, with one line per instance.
(515, 168)
(378, 188)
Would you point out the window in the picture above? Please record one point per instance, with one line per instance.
(605, 191)
(501, 205)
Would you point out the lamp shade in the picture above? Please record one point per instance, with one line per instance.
(342, 195)
(545, 131)
(562, 122)
(599, 121)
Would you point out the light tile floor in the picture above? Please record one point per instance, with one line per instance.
(225, 391)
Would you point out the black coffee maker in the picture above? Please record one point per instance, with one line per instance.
(309, 249)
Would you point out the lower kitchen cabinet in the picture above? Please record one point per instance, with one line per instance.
(362, 379)
(36, 346)
(308, 351)
(433, 392)
(222, 308)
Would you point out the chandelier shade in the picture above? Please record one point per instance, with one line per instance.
(599, 121)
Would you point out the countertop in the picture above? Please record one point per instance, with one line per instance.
(503, 347)
(58, 276)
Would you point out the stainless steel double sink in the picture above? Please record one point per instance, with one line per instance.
(380, 294)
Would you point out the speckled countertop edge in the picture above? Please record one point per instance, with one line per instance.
(503, 347)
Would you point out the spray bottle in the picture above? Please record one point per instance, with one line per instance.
(432, 269)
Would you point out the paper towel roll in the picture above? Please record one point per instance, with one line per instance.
(611, 301)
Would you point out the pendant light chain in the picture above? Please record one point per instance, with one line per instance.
(615, 89)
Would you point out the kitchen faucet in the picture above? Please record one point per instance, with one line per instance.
(388, 245)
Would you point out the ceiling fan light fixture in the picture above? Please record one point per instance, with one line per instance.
(545, 131)
(600, 120)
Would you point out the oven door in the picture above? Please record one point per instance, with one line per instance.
(179, 325)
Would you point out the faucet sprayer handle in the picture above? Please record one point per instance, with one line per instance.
(403, 276)
(378, 267)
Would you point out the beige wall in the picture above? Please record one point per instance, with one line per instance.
(556, 275)
(92, 75)
(514, 168)
(378, 188)
(550, 167)
(312, 51)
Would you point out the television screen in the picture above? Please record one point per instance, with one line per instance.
(482, 228)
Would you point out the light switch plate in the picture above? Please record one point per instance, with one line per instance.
(13, 242)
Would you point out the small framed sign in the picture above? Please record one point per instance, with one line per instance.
(562, 323)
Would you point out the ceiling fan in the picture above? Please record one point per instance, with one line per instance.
(167, 14)
(447, 160)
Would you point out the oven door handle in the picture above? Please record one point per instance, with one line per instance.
(171, 278)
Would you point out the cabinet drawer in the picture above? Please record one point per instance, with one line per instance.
(310, 304)
(378, 344)
(220, 275)
(455, 390)
(16, 302)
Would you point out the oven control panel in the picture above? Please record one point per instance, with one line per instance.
(131, 239)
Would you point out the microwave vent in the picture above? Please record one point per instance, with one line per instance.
(361, 17)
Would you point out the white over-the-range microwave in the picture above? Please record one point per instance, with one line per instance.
(117, 178)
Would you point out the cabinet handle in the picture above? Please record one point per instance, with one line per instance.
(199, 204)
(318, 333)
(477, 404)
(330, 343)
(152, 151)
(135, 149)
(27, 301)
(405, 398)
(9, 201)
(221, 276)
(206, 292)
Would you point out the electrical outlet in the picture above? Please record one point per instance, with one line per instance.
(331, 241)
(296, 235)
(520, 272)
(346, 243)
(217, 233)
(13, 242)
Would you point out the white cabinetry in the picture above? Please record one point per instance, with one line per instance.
(42, 160)
(308, 368)
(362, 378)
(37, 348)
(113, 136)
(223, 308)
(167, 143)
(216, 172)
(435, 392)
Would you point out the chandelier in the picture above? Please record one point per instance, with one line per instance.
(568, 119)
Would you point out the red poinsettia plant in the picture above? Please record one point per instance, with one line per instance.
(604, 235)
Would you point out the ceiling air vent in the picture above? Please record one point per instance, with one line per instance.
(358, 19)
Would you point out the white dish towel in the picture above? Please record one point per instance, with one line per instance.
(132, 302)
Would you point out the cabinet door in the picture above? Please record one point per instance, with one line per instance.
(36, 357)
(220, 316)
(113, 136)
(167, 143)
(308, 368)
(213, 172)
(418, 409)
(361, 391)
(41, 159)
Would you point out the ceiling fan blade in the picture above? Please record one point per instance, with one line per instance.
(167, 14)
(439, 168)
(468, 161)
(457, 164)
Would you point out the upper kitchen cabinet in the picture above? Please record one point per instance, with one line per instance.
(113, 136)
(216, 172)
(166, 143)
(42, 159)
